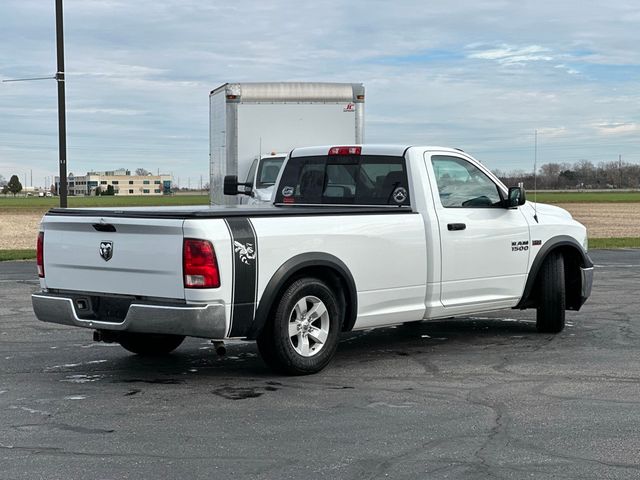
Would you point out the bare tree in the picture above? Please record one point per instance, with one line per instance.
(582, 174)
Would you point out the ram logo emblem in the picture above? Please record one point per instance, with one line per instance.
(245, 252)
(106, 250)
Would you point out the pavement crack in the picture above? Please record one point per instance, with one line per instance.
(62, 426)
(497, 429)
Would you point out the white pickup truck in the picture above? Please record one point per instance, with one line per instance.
(357, 237)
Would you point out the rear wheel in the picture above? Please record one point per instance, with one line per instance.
(150, 343)
(302, 336)
(551, 295)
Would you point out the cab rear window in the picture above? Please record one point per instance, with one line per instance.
(344, 180)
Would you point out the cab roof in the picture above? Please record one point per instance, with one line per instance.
(368, 149)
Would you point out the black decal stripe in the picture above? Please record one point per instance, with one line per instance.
(233, 276)
(244, 249)
(255, 293)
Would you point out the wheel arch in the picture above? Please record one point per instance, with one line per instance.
(324, 266)
(575, 259)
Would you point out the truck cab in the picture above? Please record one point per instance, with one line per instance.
(262, 177)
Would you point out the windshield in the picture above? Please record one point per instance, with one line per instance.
(268, 171)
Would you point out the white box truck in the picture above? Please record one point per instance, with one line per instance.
(252, 123)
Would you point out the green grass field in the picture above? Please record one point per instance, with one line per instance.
(585, 197)
(133, 201)
(6, 255)
(624, 242)
(115, 201)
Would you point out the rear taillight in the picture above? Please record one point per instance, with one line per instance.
(199, 264)
(345, 151)
(40, 254)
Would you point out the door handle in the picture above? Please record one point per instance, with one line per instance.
(456, 226)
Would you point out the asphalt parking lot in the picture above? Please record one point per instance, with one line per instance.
(482, 397)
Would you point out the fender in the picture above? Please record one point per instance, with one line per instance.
(550, 245)
(294, 265)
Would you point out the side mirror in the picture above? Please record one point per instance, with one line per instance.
(231, 186)
(516, 197)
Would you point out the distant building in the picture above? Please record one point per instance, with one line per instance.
(122, 181)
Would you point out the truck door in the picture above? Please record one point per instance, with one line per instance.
(484, 246)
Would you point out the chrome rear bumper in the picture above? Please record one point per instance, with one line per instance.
(206, 321)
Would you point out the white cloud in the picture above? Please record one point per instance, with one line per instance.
(615, 128)
(513, 55)
(552, 131)
(105, 111)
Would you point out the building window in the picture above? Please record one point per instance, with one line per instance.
(115, 182)
(145, 191)
(157, 182)
(131, 182)
(103, 182)
(157, 190)
(130, 191)
(146, 182)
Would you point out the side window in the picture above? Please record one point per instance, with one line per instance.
(252, 172)
(462, 184)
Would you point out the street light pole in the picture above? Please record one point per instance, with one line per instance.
(62, 117)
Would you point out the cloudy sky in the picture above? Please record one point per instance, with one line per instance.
(481, 75)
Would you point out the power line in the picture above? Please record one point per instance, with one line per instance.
(28, 79)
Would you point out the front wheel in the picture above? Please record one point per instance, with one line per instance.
(551, 295)
(302, 336)
(150, 343)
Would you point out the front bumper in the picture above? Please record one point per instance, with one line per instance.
(587, 283)
(205, 321)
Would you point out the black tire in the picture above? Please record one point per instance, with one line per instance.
(275, 345)
(150, 343)
(551, 295)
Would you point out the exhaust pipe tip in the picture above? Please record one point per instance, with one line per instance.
(221, 350)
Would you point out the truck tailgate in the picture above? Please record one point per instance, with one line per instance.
(145, 257)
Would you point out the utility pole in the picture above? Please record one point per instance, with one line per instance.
(62, 120)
